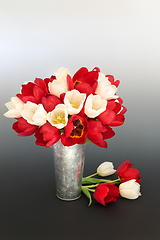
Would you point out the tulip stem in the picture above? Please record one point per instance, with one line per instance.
(91, 190)
(91, 186)
(91, 175)
(117, 180)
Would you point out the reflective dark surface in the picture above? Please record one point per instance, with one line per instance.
(29, 208)
(120, 37)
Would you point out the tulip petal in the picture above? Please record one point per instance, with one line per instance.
(123, 167)
(126, 173)
(84, 88)
(109, 133)
(23, 128)
(41, 84)
(94, 106)
(105, 169)
(111, 79)
(39, 138)
(123, 110)
(38, 93)
(75, 131)
(27, 89)
(101, 192)
(91, 78)
(74, 101)
(79, 75)
(50, 102)
(118, 121)
(70, 83)
(117, 107)
(47, 135)
(69, 128)
(131, 173)
(107, 117)
(130, 189)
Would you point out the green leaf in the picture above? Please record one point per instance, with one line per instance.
(62, 130)
(87, 141)
(93, 180)
(87, 193)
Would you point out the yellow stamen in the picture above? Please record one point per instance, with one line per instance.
(59, 119)
(74, 105)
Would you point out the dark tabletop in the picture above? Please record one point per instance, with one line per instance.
(30, 210)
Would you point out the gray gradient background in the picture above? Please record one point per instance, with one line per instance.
(122, 38)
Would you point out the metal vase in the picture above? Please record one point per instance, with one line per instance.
(69, 165)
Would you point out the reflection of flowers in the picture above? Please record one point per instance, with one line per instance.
(78, 109)
(106, 191)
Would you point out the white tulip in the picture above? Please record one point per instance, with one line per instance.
(15, 107)
(58, 117)
(105, 89)
(94, 106)
(61, 74)
(74, 101)
(59, 85)
(34, 114)
(106, 169)
(130, 189)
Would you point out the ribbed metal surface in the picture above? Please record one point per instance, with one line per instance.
(69, 165)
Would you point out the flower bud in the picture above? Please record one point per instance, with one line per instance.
(130, 189)
(106, 169)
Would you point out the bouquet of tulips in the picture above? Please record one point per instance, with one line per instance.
(106, 191)
(75, 110)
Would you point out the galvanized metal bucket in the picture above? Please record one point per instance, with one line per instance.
(69, 165)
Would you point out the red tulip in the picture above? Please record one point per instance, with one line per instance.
(70, 83)
(47, 80)
(75, 131)
(95, 129)
(33, 91)
(50, 102)
(114, 114)
(86, 81)
(23, 128)
(98, 132)
(39, 138)
(47, 135)
(106, 192)
(111, 79)
(126, 173)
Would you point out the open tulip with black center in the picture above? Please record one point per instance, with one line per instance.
(75, 131)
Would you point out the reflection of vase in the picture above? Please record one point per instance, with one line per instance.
(69, 164)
